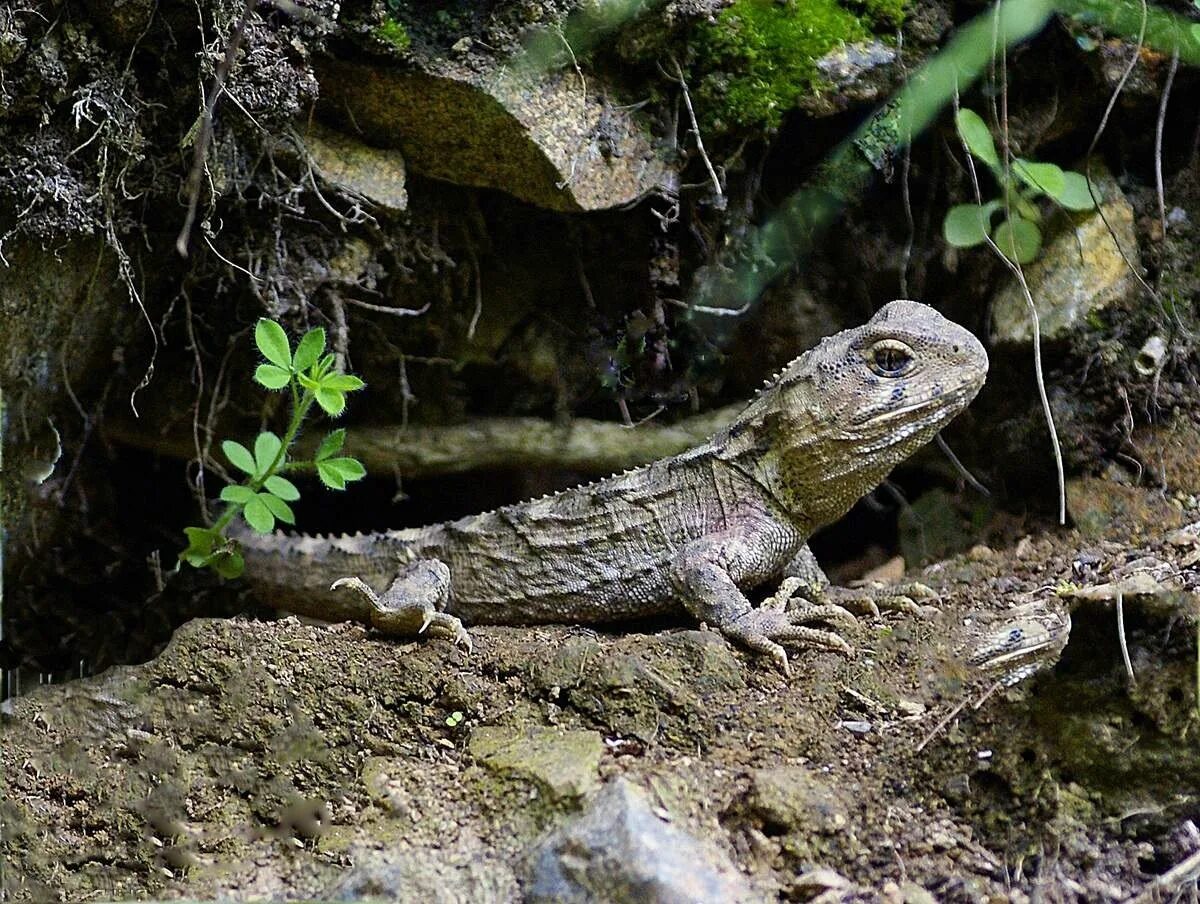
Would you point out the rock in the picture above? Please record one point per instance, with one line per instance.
(1067, 287)
(406, 875)
(651, 691)
(793, 798)
(544, 139)
(818, 883)
(564, 763)
(1173, 449)
(620, 851)
(1099, 506)
(60, 307)
(890, 572)
(346, 163)
(857, 74)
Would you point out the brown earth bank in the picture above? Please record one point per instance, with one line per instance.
(281, 760)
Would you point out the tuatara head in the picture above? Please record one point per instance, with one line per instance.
(832, 425)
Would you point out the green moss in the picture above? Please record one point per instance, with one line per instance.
(760, 55)
(881, 15)
(393, 33)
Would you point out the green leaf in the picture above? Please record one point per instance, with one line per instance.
(272, 377)
(307, 382)
(229, 565)
(342, 382)
(1075, 194)
(1026, 209)
(277, 507)
(272, 341)
(1019, 240)
(977, 136)
(282, 487)
(239, 456)
(309, 349)
(330, 476)
(348, 468)
(967, 225)
(258, 516)
(336, 472)
(1044, 177)
(331, 444)
(266, 447)
(200, 544)
(237, 493)
(331, 400)
(195, 559)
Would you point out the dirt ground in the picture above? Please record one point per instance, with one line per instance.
(277, 759)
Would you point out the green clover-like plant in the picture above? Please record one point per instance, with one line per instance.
(1019, 233)
(262, 496)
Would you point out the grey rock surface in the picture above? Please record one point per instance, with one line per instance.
(620, 850)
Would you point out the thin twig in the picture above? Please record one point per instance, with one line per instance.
(937, 729)
(226, 260)
(478, 295)
(1121, 636)
(1047, 412)
(204, 135)
(687, 102)
(384, 309)
(706, 309)
(1158, 139)
(960, 467)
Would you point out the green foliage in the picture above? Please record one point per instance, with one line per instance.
(263, 495)
(885, 13)
(1019, 233)
(760, 56)
(394, 34)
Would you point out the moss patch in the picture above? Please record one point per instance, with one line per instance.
(394, 34)
(760, 56)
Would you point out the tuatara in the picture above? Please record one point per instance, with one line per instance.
(689, 533)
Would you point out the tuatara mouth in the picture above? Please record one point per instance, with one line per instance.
(1015, 644)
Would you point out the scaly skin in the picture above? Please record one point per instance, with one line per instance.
(689, 533)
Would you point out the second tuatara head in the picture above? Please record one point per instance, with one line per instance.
(832, 425)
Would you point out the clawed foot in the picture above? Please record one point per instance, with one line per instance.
(868, 600)
(409, 607)
(761, 630)
(783, 615)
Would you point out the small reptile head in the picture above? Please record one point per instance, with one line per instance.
(841, 416)
(905, 373)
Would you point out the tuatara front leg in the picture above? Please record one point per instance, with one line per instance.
(706, 574)
(412, 603)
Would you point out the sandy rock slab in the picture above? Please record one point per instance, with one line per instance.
(555, 140)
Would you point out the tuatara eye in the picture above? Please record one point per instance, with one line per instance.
(890, 358)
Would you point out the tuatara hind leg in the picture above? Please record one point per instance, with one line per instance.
(412, 603)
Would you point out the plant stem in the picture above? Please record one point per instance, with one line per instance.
(300, 408)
